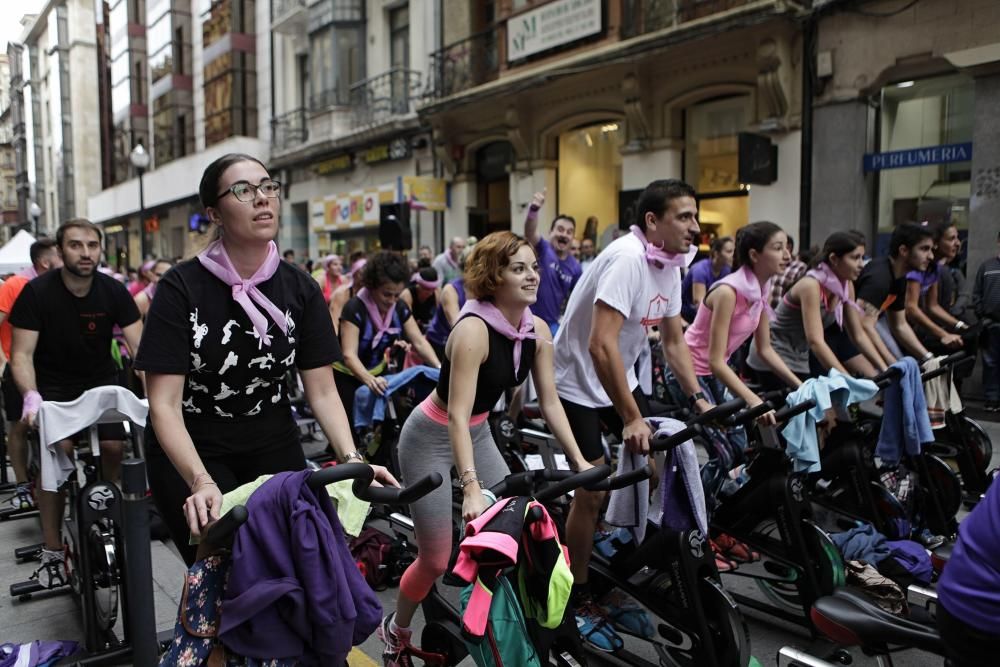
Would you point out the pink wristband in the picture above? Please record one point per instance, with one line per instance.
(32, 401)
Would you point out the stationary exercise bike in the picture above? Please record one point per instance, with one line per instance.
(106, 530)
(673, 574)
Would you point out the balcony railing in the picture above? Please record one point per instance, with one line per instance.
(331, 97)
(643, 16)
(289, 130)
(289, 16)
(377, 99)
(465, 64)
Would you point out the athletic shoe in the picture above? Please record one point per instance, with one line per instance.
(52, 572)
(929, 539)
(736, 550)
(22, 499)
(628, 615)
(595, 628)
(396, 653)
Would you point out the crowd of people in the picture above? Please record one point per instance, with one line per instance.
(212, 339)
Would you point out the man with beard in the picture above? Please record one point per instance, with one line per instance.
(63, 324)
(560, 269)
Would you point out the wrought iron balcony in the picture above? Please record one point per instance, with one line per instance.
(465, 64)
(289, 16)
(331, 97)
(643, 16)
(289, 130)
(377, 99)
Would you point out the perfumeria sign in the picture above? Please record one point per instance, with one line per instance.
(918, 157)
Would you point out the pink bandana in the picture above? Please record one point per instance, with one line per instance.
(492, 316)
(746, 285)
(825, 276)
(382, 323)
(426, 284)
(30, 273)
(149, 290)
(660, 259)
(245, 292)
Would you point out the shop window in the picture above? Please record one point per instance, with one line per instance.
(711, 164)
(921, 114)
(590, 177)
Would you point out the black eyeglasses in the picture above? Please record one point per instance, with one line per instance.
(246, 192)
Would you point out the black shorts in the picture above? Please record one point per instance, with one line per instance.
(12, 400)
(65, 394)
(588, 424)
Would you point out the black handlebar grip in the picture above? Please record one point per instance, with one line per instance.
(719, 411)
(392, 495)
(338, 473)
(621, 481)
(750, 414)
(787, 412)
(586, 478)
(222, 531)
(675, 440)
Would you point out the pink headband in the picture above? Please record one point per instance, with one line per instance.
(330, 258)
(426, 284)
(358, 265)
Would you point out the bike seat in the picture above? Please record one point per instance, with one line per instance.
(850, 619)
(531, 410)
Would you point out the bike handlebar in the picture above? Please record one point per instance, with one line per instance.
(789, 411)
(718, 412)
(390, 495)
(361, 472)
(750, 414)
(588, 478)
(222, 531)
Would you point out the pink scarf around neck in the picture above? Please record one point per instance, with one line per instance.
(381, 323)
(30, 273)
(825, 276)
(758, 297)
(659, 258)
(245, 292)
(493, 317)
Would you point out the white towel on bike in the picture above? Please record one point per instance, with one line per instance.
(678, 465)
(60, 420)
(629, 506)
(941, 395)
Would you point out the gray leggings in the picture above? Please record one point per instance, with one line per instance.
(424, 447)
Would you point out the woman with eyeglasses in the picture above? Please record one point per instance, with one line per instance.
(222, 333)
(145, 297)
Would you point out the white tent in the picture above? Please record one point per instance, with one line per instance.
(16, 256)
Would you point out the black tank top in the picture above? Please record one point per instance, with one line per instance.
(423, 311)
(496, 374)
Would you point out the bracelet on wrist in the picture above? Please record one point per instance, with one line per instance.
(927, 356)
(466, 472)
(465, 482)
(353, 455)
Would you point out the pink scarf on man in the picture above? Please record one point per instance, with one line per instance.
(493, 317)
(758, 297)
(381, 323)
(827, 279)
(245, 291)
(661, 259)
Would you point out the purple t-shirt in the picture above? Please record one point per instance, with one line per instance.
(925, 278)
(970, 586)
(558, 280)
(700, 272)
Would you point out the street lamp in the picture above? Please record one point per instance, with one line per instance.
(140, 160)
(35, 211)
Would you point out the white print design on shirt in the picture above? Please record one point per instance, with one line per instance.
(276, 397)
(200, 330)
(197, 365)
(254, 411)
(289, 360)
(260, 341)
(227, 331)
(264, 362)
(219, 412)
(656, 311)
(189, 406)
(197, 387)
(257, 382)
(230, 361)
(224, 392)
(289, 322)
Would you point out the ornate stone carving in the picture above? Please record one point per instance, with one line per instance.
(637, 126)
(770, 85)
(515, 135)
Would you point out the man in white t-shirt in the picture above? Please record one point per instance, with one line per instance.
(634, 284)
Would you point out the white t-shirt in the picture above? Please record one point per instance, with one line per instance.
(623, 280)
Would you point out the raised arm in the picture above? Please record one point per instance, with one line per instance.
(531, 220)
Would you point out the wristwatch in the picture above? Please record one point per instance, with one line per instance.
(695, 397)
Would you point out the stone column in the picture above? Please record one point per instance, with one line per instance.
(456, 218)
(842, 193)
(984, 204)
(663, 160)
(543, 175)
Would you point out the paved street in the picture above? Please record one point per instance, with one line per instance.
(57, 617)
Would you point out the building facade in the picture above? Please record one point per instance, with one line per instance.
(202, 90)
(345, 136)
(905, 119)
(8, 188)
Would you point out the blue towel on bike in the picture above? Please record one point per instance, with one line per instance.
(906, 425)
(369, 407)
(834, 390)
(862, 543)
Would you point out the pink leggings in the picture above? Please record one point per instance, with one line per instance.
(424, 447)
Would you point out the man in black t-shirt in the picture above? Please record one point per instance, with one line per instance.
(63, 323)
(881, 290)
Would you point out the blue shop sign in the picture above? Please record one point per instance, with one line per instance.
(918, 157)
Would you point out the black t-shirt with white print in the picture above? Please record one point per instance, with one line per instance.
(235, 398)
